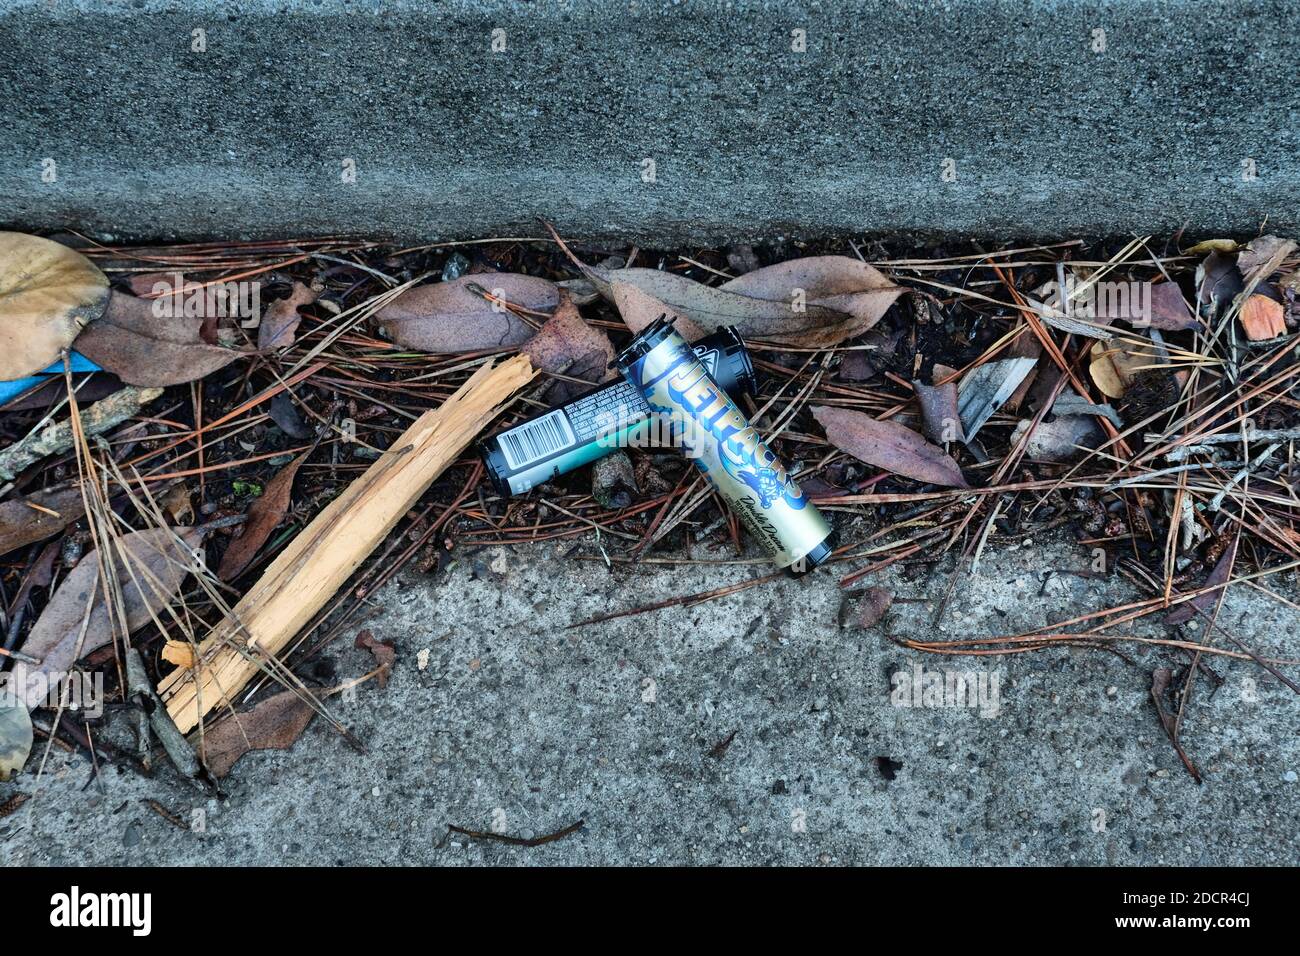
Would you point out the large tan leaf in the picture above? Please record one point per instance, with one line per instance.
(156, 560)
(48, 293)
(640, 309)
(888, 445)
(453, 317)
(813, 303)
(837, 282)
(149, 350)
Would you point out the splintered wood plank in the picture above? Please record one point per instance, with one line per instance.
(317, 562)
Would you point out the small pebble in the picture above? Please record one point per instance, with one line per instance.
(1290, 776)
(455, 267)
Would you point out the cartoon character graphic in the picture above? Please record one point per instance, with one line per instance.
(767, 484)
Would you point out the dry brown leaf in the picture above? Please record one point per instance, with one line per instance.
(176, 504)
(280, 324)
(837, 282)
(640, 309)
(939, 411)
(874, 603)
(1263, 256)
(384, 652)
(48, 293)
(815, 302)
(1204, 602)
(888, 445)
(274, 724)
(566, 344)
(1164, 308)
(29, 519)
(1115, 366)
(179, 653)
(264, 515)
(1169, 310)
(145, 349)
(1262, 318)
(451, 317)
(158, 562)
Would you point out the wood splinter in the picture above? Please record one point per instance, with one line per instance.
(322, 557)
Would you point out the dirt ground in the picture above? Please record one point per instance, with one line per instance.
(501, 717)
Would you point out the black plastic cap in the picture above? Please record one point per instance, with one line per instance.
(817, 556)
(645, 341)
(494, 463)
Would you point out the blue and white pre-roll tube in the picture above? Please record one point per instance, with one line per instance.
(715, 433)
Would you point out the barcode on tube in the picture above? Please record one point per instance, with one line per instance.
(533, 441)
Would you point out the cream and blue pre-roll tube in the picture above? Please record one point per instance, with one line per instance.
(726, 447)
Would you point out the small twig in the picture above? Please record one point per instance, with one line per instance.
(514, 840)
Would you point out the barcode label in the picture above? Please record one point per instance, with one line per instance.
(533, 441)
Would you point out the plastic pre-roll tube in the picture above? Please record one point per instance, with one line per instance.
(594, 424)
(715, 433)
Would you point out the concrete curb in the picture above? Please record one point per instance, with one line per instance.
(994, 118)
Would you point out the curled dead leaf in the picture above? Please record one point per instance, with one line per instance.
(264, 515)
(1263, 256)
(384, 653)
(280, 323)
(146, 349)
(273, 724)
(815, 302)
(1115, 365)
(875, 601)
(888, 445)
(151, 575)
(451, 316)
(48, 294)
(1206, 246)
(939, 411)
(566, 344)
